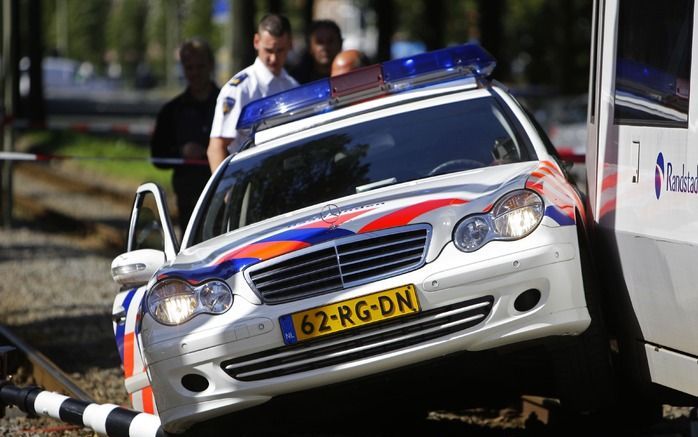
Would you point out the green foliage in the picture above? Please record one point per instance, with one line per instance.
(552, 39)
(114, 159)
(540, 42)
(458, 20)
(197, 21)
(126, 33)
(79, 25)
(536, 42)
(87, 36)
(156, 36)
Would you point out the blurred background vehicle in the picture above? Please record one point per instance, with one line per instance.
(65, 76)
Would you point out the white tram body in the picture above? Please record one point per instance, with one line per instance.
(642, 170)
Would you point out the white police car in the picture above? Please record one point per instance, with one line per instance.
(398, 213)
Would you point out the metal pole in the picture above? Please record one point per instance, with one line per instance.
(9, 18)
(2, 110)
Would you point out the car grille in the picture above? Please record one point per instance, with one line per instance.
(363, 342)
(341, 263)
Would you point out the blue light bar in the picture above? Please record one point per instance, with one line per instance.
(470, 56)
(397, 75)
(313, 97)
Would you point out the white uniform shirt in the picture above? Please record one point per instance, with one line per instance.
(252, 83)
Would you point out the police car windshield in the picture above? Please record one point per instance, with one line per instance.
(402, 147)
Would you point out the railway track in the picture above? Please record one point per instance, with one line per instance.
(65, 203)
(57, 396)
(41, 370)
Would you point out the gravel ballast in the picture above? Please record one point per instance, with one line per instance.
(57, 296)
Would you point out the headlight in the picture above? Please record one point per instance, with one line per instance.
(174, 301)
(514, 216)
(517, 214)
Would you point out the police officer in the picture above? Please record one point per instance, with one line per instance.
(265, 77)
(183, 125)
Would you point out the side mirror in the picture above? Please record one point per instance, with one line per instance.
(135, 268)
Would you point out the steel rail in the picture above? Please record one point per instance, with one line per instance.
(44, 371)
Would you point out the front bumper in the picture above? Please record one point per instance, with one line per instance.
(467, 303)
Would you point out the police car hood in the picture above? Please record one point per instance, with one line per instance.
(439, 201)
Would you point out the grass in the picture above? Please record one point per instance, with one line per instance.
(127, 161)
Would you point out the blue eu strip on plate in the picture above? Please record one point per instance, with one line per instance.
(287, 329)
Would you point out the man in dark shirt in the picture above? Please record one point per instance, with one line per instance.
(323, 44)
(183, 125)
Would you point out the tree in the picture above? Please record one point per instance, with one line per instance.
(434, 31)
(385, 13)
(126, 34)
(75, 29)
(491, 14)
(86, 30)
(157, 35)
(35, 109)
(242, 19)
(548, 43)
(197, 21)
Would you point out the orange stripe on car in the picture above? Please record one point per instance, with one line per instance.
(406, 215)
(128, 354)
(148, 401)
(269, 249)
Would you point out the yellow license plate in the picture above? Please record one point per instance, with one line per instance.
(348, 314)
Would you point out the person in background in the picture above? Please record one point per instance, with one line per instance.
(323, 43)
(348, 60)
(265, 77)
(183, 125)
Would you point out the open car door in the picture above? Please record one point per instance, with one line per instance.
(151, 243)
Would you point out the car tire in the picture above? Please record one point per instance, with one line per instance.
(592, 378)
(583, 366)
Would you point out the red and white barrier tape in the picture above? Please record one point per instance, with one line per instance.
(18, 156)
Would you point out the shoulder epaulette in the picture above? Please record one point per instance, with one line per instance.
(237, 80)
(228, 104)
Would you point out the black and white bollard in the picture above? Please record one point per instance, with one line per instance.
(107, 419)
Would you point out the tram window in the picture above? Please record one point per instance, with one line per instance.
(653, 62)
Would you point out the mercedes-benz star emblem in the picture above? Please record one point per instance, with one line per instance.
(330, 213)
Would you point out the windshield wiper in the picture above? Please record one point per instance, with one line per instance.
(377, 184)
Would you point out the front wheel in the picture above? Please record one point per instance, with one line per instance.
(591, 380)
(583, 366)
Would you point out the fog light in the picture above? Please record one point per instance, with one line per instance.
(194, 382)
(527, 300)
